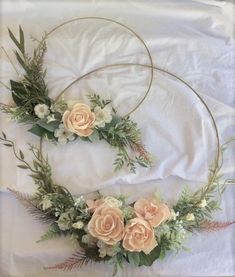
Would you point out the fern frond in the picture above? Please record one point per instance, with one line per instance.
(32, 206)
(53, 232)
(77, 260)
(210, 226)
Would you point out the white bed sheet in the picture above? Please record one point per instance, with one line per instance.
(193, 39)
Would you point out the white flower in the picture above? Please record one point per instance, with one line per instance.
(51, 118)
(113, 202)
(64, 222)
(174, 214)
(63, 134)
(46, 203)
(202, 204)
(41, 110)
(190, 217)
(102, 116)
(106, 249)
(78, 225)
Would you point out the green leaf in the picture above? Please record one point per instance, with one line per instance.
(18, 89)
(37, 130)
(19, 44)
(94, 136)
(85, 139)
(20, 60)
(162, 254)
(51, 126)
(148, 260)
(35, 164)
(4, 135)
(21, 154)
(133, 258)
(40, 131)
(14, 40)
(22, 166)
(8, 144)
(21, 39)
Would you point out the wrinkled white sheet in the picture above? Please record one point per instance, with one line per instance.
(194, 40)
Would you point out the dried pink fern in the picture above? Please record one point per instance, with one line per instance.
(32, 206)
(77, 260)
(211, 226)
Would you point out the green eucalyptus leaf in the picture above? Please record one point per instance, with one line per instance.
(133, 258)
(85, 139)
(51, 126)
(94, 136)
(148, 260)
(40, 131)
(37, 130)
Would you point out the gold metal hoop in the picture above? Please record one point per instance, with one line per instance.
(122, 25)
(217, 158)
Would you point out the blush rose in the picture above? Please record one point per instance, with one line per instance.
(79, 120)
(139, 236)
(152, 211)
(107, 224)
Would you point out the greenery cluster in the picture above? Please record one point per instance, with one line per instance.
(54, 204)
(31, 90)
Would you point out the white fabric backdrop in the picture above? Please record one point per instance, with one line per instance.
(193, 39)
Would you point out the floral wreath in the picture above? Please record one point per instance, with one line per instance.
(105, 228)
(60, 121)
(108, 228)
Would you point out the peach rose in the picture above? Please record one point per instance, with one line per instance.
(107, 224)
(152, 211)
(139, 236)
(94, 204)
(79, 120)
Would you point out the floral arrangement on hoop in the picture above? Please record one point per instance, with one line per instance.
(103, 228)
(62, 121)
(109, 229)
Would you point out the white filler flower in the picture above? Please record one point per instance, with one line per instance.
(174, 214)
(113, 202)
(190, 217)
(202, 204)
(102, 116)
(41, 110)
(78, 225)
(63, 134)
(51, 118)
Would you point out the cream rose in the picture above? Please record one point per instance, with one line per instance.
(79, 120)
(107, 224)
(152, 211)
(139, 236)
